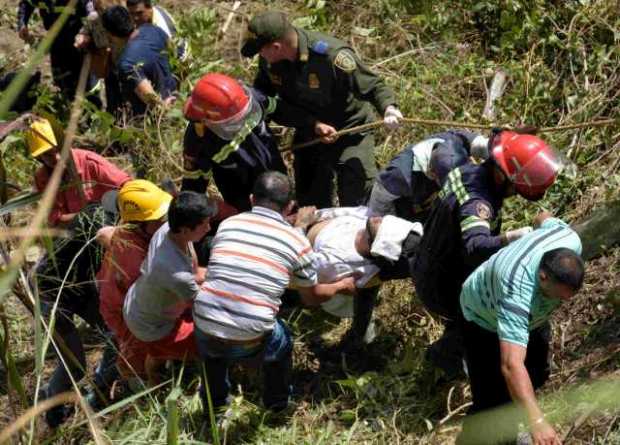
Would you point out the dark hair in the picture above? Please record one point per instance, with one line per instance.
(563, 266)
(117, 21)
(189, 209)
(147, 3)
(272, 190)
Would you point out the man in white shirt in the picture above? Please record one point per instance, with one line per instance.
(143, 11)
(347, 242)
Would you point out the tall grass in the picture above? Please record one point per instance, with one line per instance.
(562, 68)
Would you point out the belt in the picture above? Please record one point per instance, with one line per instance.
(229, 341)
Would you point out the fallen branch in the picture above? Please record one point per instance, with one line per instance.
(498, 85)
(450, 124)
(231, 14)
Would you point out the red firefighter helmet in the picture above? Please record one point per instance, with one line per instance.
(224, 105)
(528, 162)
(216, 98)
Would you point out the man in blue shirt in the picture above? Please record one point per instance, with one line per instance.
(408, 186)
(506, 304)
(228, 136)
(144, 72)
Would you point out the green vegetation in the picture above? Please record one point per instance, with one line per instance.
(562, 59)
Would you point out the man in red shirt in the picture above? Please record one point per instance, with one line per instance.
(96, 174)
(145, 206)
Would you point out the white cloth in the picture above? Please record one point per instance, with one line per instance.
(392, 232)
(336, 257)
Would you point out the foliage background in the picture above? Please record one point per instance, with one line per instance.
(562, 61)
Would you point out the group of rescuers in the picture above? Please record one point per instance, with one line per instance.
(433, 214)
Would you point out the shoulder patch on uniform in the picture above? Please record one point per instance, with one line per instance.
(345, 61)
(320, 47)
(483, 210)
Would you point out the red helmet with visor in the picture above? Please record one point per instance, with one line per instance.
(222, 104)
(528, 162)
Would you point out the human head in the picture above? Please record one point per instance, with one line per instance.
(140, 200)
(42, 142)
(141, 11)
(189, 215)
(272, 35)
(223, 104)
(560, 273)
(142, 203)
(443, 161)
(372, 227)
(117, 22)
(527, 162)
(272, 190)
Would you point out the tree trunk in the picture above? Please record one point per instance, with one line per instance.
(600, 231)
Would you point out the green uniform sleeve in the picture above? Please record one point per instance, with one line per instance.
(365, 84)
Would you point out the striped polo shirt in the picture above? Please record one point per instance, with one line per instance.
(502, 295)
(255, 256)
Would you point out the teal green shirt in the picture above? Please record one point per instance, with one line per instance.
(502, 295)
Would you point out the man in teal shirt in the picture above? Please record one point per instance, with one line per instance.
(506, 304)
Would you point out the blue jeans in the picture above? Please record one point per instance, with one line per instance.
(274, 355)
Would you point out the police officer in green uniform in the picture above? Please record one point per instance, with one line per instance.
(321, 79)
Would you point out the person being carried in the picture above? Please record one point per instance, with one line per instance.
(228, 136)
(409, 185)
(347, 242)
(156, 308)
(143, 69)
(506, 304)
(95, 174)
(256, 255)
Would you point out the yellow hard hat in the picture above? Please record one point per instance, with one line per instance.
(141, 200)
(40, 137)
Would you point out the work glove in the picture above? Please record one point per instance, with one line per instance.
(392, 117)
(480, 147)
(513, 235)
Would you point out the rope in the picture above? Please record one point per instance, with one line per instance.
(450, 124)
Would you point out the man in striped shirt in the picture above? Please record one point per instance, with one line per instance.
(255, 256)
(506, 303)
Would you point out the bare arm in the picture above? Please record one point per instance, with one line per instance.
(104, 236)
(66, 218)
(320, 293)
(146, 93)
(521, 390)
